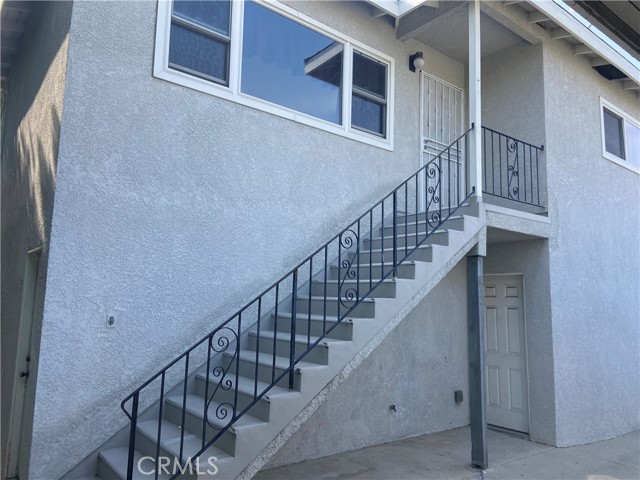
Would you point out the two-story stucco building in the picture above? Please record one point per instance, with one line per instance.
(260, 224)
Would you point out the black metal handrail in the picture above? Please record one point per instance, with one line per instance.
(430, 196)
(511, 168)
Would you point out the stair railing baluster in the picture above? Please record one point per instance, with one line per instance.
(255, 378)
(458, 161)
(500, 158)
(292, 340)
(370, 249)
(382, 239)
(324, 299)
(132, 434)
(206, 392)
(406, 221)
(339, 296)
(160, 423)
(275, 333)
(235, 385)
(538, 176)
(184, 405)
(440, 198)
(416, 202)
(358, 265)
(395, 234)
(309, 306)
(449, 178)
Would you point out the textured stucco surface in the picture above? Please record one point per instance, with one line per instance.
(594, 256)
(417, 368)
(174, 207)
(29, 155)
(531, 259)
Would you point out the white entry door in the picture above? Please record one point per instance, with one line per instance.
(505, 343)
(442, 115)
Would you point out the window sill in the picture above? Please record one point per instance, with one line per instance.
(622, 163)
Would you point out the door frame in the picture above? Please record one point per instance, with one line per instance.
(421, 163)
(31, 291)
(526, 339)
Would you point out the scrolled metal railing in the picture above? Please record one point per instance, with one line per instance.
(511, 168)
(337, 277)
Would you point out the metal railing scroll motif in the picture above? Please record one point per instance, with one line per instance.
(511, 168)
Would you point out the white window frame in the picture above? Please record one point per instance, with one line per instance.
(625, 118)
(233, 93)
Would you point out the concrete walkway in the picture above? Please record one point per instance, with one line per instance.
(446, 455)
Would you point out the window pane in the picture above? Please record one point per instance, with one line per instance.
(210, 14)
(613, 134)
(369, 75)
(198, 54)
(367, 114)
(632, 134)
(291, 65)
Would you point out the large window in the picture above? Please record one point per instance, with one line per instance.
(620, 136)
(270, 57)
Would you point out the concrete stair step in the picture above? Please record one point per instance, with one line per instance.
(316, 325)
(112, 465)
(424, 253)
(247, 392)
(386, 289)
(218, 414)
(171, 436)
(318, 354)
(335, 306)
(468, 209)
(375, 271)
(440, 237)
(404, 224)
(269, 368)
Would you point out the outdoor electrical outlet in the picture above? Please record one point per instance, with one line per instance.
(458, 396)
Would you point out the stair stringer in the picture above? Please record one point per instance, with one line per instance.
(410, 292)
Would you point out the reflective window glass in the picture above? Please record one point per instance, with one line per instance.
(614, 141)
(198, 54)
(368, 100)
(291, 65)
(215, 15)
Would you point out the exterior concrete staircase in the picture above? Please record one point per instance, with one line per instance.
(263, 352)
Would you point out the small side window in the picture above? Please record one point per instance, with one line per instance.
(620, 136)
(369, 96)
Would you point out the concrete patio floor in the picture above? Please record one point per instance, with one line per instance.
(445, 455)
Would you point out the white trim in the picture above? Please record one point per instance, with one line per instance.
(233, 92)
(512, 212)
(625, 118)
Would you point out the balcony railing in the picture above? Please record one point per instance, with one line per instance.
(512, 169)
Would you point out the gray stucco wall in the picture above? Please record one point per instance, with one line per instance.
(29, 155)
(594, 256)
(531, 260)
(174, 207)
(417, 368)
(513, 104)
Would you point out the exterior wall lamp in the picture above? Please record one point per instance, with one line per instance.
(416, 61)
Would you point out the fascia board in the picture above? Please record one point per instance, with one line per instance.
(571, 24)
